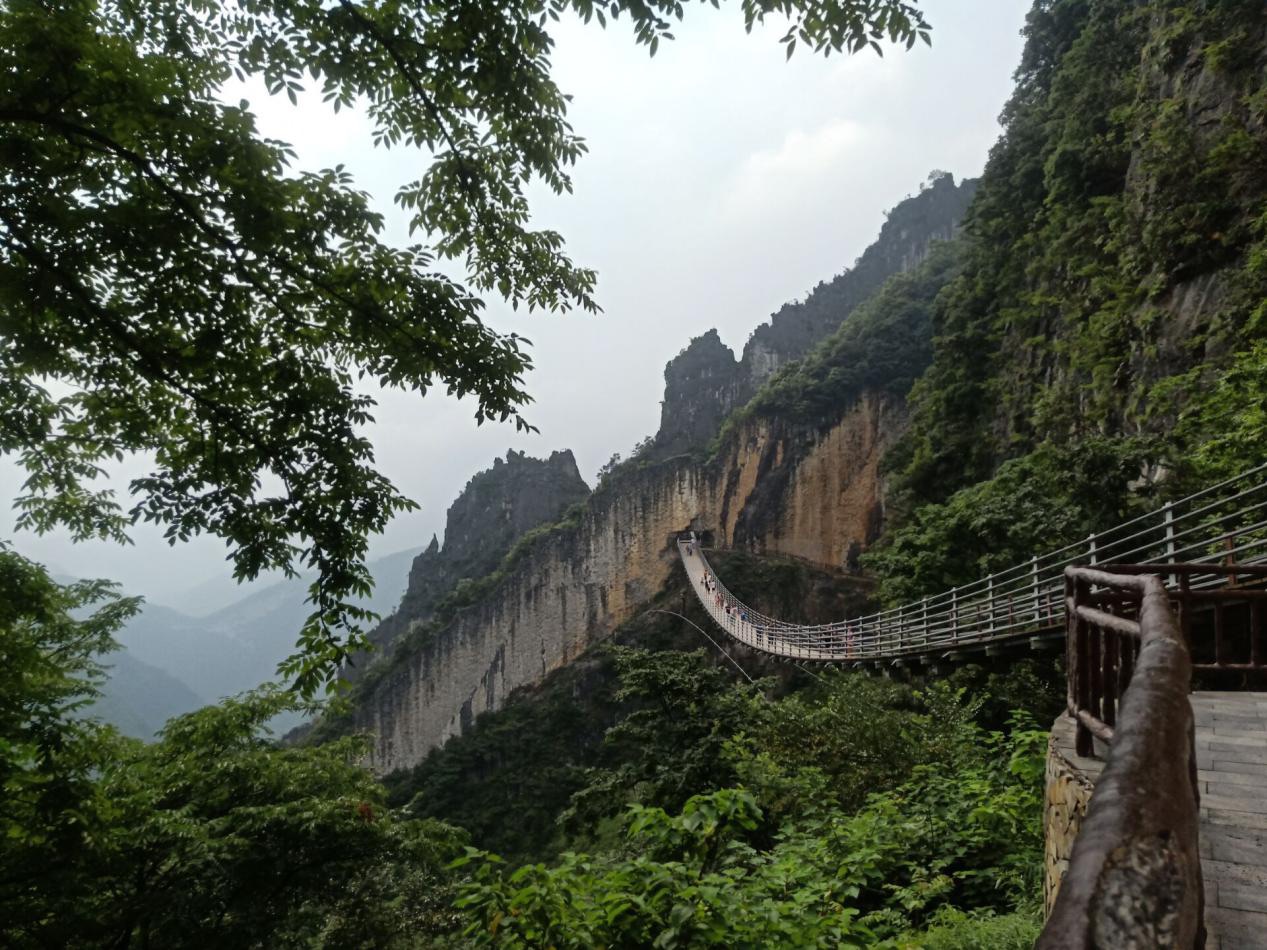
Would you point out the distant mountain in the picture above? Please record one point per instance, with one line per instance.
(191, 650)
(204, 659)
(139, 698)
(214, 593)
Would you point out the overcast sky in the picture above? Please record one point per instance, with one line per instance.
(721, 182)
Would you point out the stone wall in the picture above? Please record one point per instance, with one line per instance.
(1070, 781)
(576, 585)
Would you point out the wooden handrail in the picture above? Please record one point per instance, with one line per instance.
(1134, 878)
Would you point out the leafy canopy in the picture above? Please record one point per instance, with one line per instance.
(211, 836)
(171, 285)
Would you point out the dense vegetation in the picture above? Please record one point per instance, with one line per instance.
(712, 810)
(1110, 314)
(849, 812)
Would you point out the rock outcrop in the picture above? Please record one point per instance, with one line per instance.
(496, 508)
(702, 385)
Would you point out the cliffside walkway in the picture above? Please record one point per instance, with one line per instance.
(1231, 745)
(1223, 525)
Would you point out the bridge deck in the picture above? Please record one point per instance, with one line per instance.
(1232, 769)
(736, 624)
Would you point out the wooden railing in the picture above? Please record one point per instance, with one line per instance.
(1220, 617)
(1134, 879)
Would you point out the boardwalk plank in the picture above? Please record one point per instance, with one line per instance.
(1231, 738)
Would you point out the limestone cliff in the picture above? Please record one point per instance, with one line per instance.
(580, 582)
(782, 481)
(497, 506)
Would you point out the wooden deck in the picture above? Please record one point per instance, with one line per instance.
(1232, 769)
(1231, 738)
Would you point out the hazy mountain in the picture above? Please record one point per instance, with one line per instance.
(172, 662)
(214, 593)
(138, 698)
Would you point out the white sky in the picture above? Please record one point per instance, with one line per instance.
(721, 182)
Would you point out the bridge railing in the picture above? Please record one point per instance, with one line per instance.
(1221, 525)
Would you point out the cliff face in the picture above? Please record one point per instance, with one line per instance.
(497, 506)
(1116, 271)
(784, 482)
(704, 383)
(577, 584)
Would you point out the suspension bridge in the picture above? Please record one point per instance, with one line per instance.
(1172, 850)
(1222, 526)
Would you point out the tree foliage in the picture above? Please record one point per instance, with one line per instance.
(715, 873)
(49, 752)
(211, 836)
(1115, 268)
(171, 285)
(1053, 496)
(682, 710)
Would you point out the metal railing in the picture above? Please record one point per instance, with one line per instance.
(1223, 525)
(1134, 877)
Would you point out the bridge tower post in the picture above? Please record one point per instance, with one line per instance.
(1033, 589)
(954, 614)
(989, 593)
(1168, 519)
(925, 619)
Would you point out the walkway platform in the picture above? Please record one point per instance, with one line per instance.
(1231, 739)
(1232, 772)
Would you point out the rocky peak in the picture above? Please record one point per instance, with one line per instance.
(909, 230)
(497, 506)
(701, 384)
(704, 383)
